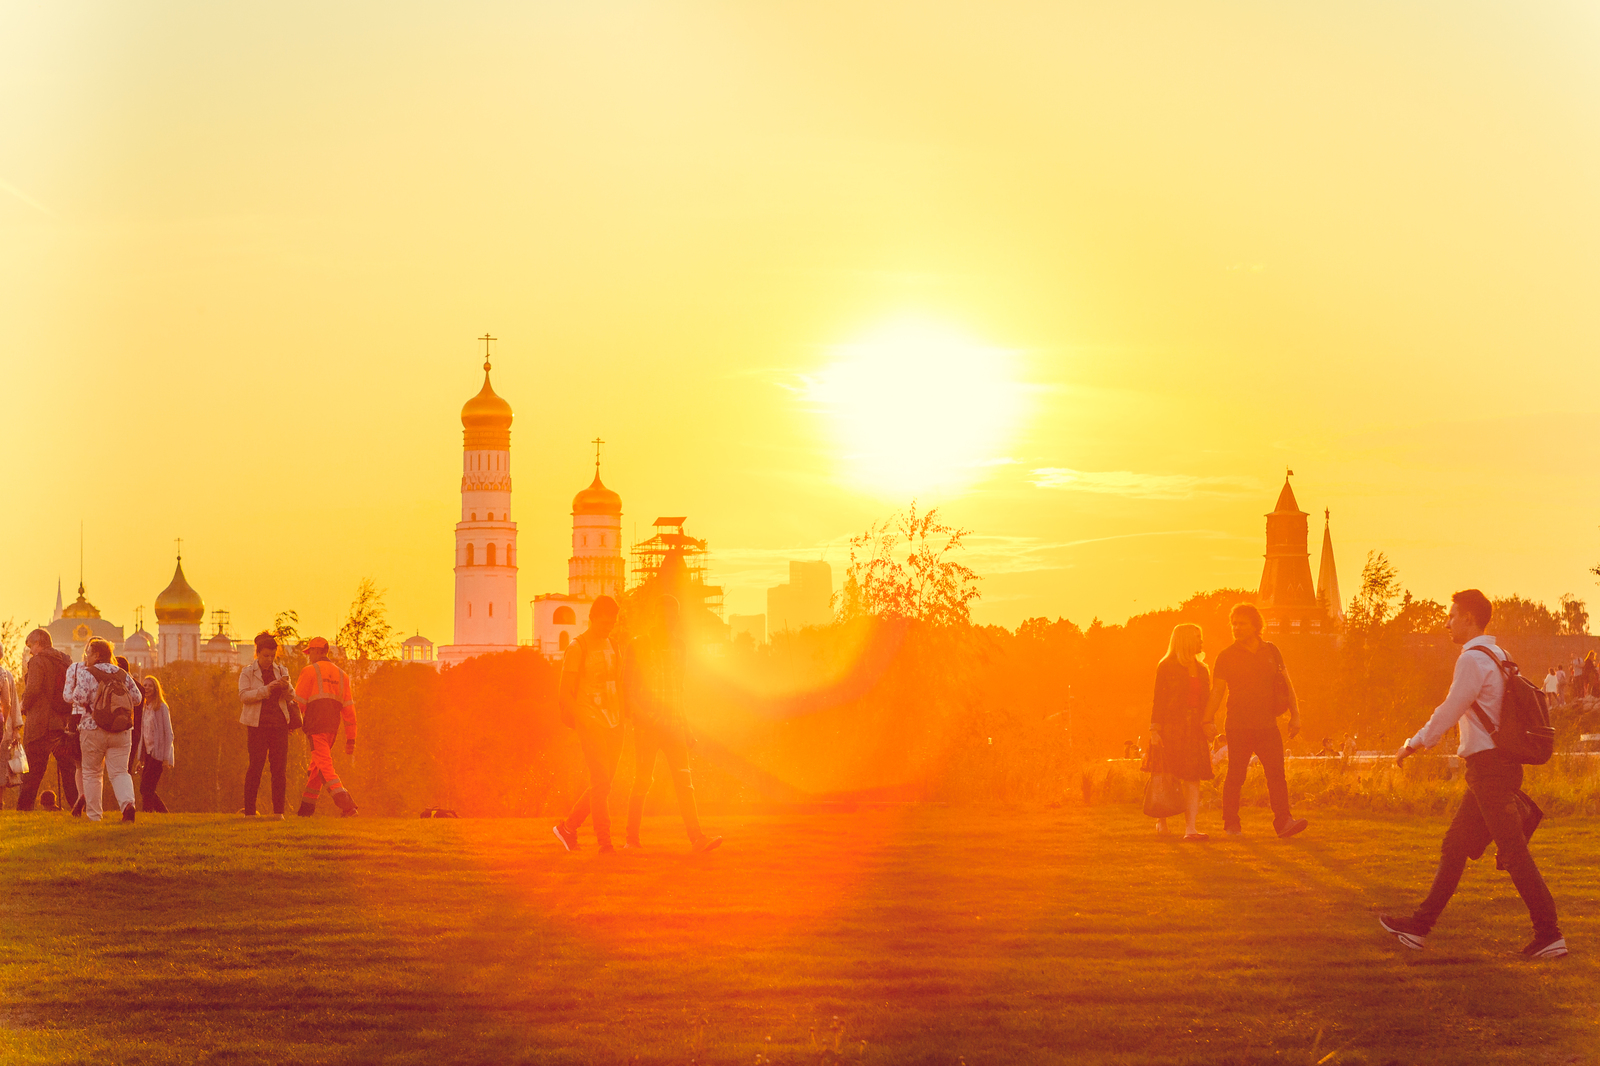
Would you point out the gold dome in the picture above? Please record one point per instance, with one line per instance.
(179, 604)
(487, 417)
(597, 499)
(80, 608)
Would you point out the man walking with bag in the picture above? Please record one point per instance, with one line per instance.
(1251, 677)
(1490, 811)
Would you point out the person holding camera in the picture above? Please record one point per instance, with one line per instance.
(267, 695)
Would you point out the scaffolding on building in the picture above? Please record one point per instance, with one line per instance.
(669, 539)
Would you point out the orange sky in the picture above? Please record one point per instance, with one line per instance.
(1130, 261)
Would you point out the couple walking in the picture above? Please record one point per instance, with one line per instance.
(1252, 680)
(607, 680)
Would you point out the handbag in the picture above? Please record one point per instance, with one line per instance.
(1163, 795)
(19, 760)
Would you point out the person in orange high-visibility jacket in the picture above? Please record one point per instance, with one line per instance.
(323, 692)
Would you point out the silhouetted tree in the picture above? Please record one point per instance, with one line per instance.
(366, 636)
(899, 568)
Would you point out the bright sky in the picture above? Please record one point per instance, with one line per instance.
(1089, 277)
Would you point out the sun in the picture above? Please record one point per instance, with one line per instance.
(916, 406)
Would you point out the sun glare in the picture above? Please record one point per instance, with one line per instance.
(917, 406)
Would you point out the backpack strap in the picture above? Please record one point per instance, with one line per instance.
(1483, 716)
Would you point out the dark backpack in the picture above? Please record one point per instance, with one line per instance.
(113, 703)
(1525, 733)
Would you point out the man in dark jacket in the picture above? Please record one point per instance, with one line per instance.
(48, 717)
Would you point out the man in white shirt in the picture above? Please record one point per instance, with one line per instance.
(1489, 810)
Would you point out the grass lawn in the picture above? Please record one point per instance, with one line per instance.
(909, 935)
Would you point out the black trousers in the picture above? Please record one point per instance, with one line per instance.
(1267, 745)
(65, 750)
(149, 779)
(1488, 812)
(266, 743)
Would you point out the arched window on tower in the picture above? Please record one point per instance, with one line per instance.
(564, 616)
(511, 555)
(469, 555)
(491, 608)
(488, 560)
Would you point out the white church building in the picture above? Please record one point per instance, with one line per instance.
(486, 538)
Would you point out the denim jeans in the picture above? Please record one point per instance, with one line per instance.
(602, 744)
(649, 739)
(105, 755)
(1488, 812)
(1267, 745)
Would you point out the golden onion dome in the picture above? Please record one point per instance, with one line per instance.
(597, 499)
(179, 604)
(487, 410)
(80, 608)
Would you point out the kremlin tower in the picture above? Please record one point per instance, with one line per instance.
(486, 538)
(1289, 604)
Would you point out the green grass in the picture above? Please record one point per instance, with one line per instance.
(909, 935)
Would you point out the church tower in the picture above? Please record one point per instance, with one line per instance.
(595, 568)
(1328, 578)
(179, 612)
(486, 538)
(1287, 599)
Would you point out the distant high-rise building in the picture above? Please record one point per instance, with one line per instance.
(486, 538)
(807, 599)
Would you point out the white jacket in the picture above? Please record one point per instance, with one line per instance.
(253, 689)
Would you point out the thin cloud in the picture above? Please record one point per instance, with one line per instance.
(1140, 486)
(1020, 555)
(25, 198)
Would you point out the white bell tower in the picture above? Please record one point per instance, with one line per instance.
(486, 538)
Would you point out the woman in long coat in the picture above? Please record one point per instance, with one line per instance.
(1177, 738)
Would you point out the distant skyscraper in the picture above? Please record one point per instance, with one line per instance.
(486, 538)
(807, 600)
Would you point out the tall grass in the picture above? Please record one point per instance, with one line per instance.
(1428, 784)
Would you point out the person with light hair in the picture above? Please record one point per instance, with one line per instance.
(1178, 743)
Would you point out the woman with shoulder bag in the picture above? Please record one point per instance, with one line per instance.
(1178, 744)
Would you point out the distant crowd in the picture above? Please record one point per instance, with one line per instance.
(98, 722)
(101, 724)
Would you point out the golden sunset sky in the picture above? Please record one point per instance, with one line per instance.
(1088, 277)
